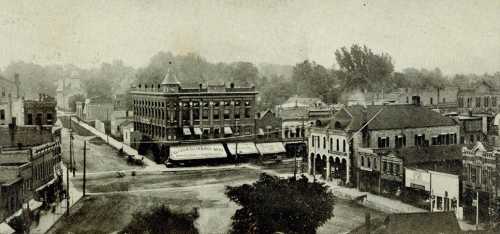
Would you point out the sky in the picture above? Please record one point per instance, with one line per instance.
(458, 36)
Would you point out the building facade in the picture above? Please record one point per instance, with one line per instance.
(268, 126)
(39, 112)
(67, 88)
(481, 99)
(481, 176)
(373, 136)
(174, 114)
(10, 99)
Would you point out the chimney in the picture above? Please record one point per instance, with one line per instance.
(232, 85)
(201, 86)
(367, 223)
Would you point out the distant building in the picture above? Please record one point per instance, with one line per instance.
(298, 114)
(481, 99)
(96, 108)
(39, 112)
(10, 99)
(268, 126)
(67, 88)
(127, 131)
(442, 99)
(119, 117)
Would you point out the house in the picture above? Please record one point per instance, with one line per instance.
(268, 125)
(127, 129)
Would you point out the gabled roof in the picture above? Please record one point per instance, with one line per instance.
(401, 116)
(170, 78)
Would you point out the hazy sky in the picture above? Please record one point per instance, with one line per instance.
(454, 35)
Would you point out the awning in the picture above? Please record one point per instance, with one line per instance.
(243, 148)
(197, 131)
(34, 204)
(228, 131)
(187, 131)
(194, 152)
(271, 148)
(45, 185)
(261, 132)
(6, 229)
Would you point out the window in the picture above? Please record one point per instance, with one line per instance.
(375, 163)
(494, 101)
(338, 145)
(237, 113)
(486, 101)
(49, 118)
(2, 114)
(383, 142)
(205, 112)
(478, 101)
(407, 99)
(460, 102)
(331, 144)
(216, 115)
(396, 169)
(30, 119)
(362, 161)
(473, 174)
(431, 101)
(227, 114)
(312, 139)
(400, 141)
(247, 112)
(343, 145)
(420, 140)
(384, 166)
(324, 142)
(368, 162)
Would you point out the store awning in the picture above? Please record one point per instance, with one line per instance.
(187, 131)
(197, 131)
(270, 148)
(195, 152)
(243, 148)
(261, 132)
(228, 131)
(6, 229)
(34, 204)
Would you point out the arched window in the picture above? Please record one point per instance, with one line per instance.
(324, 142)
(338, 145)
(343, 145)
(331, 144)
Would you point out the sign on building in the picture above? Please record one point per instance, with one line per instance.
(418, 179)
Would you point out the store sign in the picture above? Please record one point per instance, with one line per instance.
(415, 178)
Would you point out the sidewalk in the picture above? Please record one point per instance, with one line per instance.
(149, 164)
(47, 218)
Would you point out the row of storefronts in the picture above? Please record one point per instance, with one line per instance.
(234, 152)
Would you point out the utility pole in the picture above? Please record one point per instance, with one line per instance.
(84, 165)
(67, 191)
(71, 161)
(477, 210)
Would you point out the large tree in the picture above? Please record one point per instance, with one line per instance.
(313, 80)
(161, 220)
(274, 204)
(361, 68)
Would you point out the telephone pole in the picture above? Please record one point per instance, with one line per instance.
(84, 165)
(67, 191)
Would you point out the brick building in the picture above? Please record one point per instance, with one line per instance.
(480, 174)
(371, 133)
(39, 112)
(175, 114)
(30, 156)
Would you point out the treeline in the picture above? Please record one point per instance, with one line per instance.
(358, 67)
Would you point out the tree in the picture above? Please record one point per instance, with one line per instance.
(361, 68)
(313, 80)
(273, 204)
(244, 74)
(161, 220)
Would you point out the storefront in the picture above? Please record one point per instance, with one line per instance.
(242, 150)
(187, 154)
(271, 151)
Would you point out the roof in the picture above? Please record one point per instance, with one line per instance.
(401, 116)
(294, 113)
(302, 101)
(170, 78)
(423, 222)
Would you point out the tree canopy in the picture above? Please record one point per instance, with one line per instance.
(161, 220)
(273, 204)
(361, 68)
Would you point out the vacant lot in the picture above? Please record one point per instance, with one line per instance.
(100, 156)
